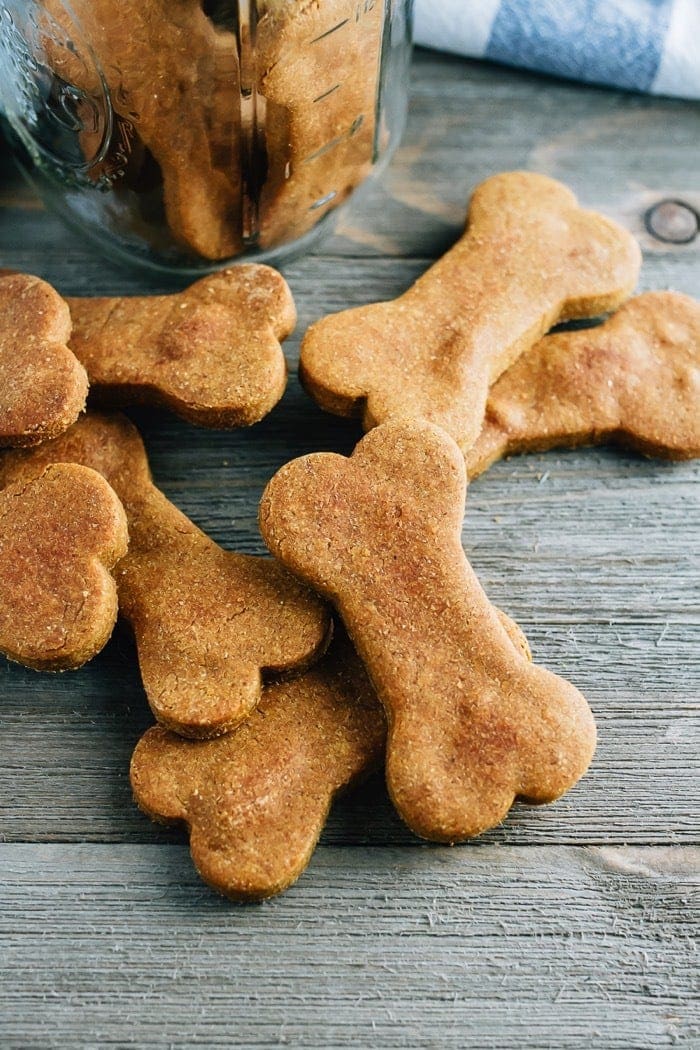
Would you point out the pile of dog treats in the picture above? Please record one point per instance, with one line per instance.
(366, 638)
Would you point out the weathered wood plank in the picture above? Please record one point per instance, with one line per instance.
(480, 947)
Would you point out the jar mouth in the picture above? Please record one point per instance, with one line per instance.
(52, 89)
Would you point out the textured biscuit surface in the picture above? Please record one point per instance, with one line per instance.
(207, 622)
(211, 353)
(319, 66)
(175, 77)
(256, 800)
(530, 257)
(634, 380)
(472, 724)
(61, 533)
(43, 386)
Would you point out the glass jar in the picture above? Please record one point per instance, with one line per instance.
(186, 134)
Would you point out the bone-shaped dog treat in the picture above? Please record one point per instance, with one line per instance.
(472, 724)
(207, 622)
(60, 535)
(43, 386)
(530, 258)
(634, 380)
(319, 70)
(257, 799)
(163, 61)
(211, 353)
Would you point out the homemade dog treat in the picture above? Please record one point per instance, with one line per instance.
(207, 622)
(472, 724)
(530, 258)
(60, 535)
(257, 799)
(634, 380)
(319, 75)
(163, 61)
(43, 386)
(211, 353)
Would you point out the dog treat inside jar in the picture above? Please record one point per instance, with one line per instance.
(186, 133)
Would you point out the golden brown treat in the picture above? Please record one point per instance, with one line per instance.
(515, 633)
(43, 386)
(319, 75)
(164, 63)
(211, 353)
(60, 535)
(257, 799)
(472, 724)
(530, 258)
(634, 380)
(207, 622)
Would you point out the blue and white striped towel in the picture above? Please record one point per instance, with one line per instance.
(642, 45)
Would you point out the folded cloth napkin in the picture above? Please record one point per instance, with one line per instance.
(642, 45)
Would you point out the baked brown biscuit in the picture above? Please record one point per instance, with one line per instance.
(319, 74)
(211, 353)
(43, 386)
(472, 724)
(207, 622)
(634, 380)
(164, 63)
(530, 258)
(257, 799)
(61, 534)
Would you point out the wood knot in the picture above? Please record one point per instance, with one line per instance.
(673, 222)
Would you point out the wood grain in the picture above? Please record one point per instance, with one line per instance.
(549, 933)
(488, 946)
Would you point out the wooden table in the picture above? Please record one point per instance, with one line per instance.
(569, 926)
